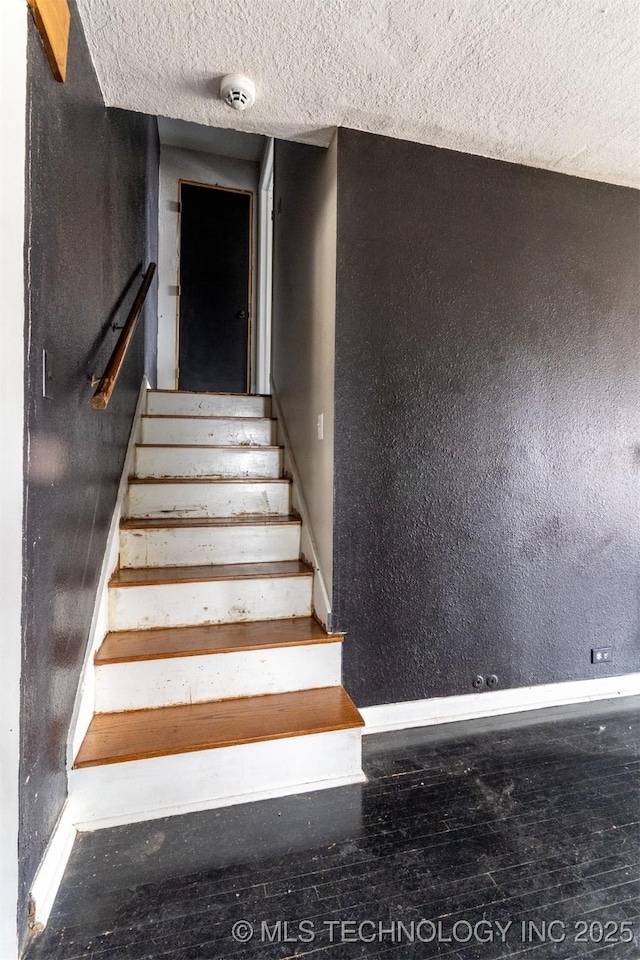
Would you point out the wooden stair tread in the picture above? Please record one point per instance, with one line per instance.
(210, 393)
(246, 520)
(251, 447)
(146, 576)
(200, 418)
(209, 480)
(125, 646)
(141, 734)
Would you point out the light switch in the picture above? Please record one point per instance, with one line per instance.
(47, 376)
(321, 427)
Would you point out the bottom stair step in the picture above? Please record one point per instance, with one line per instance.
(144, 764)
(139, 734)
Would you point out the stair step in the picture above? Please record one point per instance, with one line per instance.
(126, 646)
(189, 497)
(179, 541)
(157, 763)
(184, 523)
(199, 460)
(142, 734)
(149, 576)
(216, 431)
(149, 597)
(135, 670)
(182, 402)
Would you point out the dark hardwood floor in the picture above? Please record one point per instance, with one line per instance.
(480, 826)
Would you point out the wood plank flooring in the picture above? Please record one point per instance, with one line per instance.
(529, 818)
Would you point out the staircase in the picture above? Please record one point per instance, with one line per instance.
(214, 684)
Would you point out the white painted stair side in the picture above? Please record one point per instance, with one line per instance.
(183, 403)
(201, 461)
(193, 545)
(187, 602)
(208, 498)
(167, 681)
(135, 790)
(239, 431)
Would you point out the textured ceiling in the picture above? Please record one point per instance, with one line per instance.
(550, 83)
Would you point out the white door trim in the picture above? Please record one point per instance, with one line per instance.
(208, 169)
(262, 365)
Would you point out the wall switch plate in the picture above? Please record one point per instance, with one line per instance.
(601, 655)
(321, 427)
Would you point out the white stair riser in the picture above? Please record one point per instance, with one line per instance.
(218, 601)
(248, 673)
(218, 499)
(207, 405)
(192, 546)
(201, 430)
(208, 462)
(137, 790)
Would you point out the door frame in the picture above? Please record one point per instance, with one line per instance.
(251, 323)
(262, 366)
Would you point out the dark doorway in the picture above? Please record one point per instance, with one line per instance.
(215, 289)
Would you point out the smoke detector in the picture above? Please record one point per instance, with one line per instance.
(237, 91)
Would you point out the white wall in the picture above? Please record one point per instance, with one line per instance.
(178, 164)
(13, 71)
(303, 324)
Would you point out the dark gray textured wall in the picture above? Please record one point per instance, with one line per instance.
(87, 177)
(487, 434)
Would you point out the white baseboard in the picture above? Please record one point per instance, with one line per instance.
(52, 866)
(84, 705)
(321, 601)
(423, 713)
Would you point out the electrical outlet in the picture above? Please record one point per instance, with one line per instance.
(321, 427)
(601, 655)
